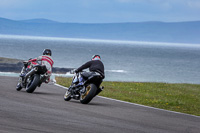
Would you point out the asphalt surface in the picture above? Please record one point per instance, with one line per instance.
(45, 111)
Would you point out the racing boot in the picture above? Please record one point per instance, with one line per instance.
(99, 90)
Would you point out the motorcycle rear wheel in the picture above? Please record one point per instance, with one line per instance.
(89, 94)
(32, 83)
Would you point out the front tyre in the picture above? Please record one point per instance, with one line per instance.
(67, 96)
(89, 93)
(19, 87)
(32, 83)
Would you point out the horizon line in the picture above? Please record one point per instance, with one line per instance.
(102, 40)
(55, 21)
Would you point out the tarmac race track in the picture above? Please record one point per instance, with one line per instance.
(45, 111)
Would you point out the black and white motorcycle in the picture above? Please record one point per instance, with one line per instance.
(84, 87)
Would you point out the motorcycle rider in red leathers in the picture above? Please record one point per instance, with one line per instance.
(45, 60)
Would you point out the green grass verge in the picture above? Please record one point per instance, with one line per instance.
(183, 98)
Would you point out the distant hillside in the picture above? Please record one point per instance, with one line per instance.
(38, 21)
(183, 32)
(15, 65)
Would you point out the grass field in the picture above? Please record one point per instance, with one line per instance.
(183, 98)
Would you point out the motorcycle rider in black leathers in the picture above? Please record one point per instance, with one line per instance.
(95, 65)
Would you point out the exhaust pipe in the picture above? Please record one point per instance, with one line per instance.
(30, 73)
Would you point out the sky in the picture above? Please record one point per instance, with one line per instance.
(102, 11)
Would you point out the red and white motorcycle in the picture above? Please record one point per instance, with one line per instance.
(32, 75)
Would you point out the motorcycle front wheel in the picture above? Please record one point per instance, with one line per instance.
(67, 96)
(19, 87)
(32, 83)
(89, 93)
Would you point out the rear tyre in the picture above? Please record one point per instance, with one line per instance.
(89, 93)
(32, 83)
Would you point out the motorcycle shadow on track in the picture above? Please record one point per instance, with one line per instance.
(46, 93)
(92, 103)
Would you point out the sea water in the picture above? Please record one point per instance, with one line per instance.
(123, 60)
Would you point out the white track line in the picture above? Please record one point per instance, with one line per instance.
(136, 104)
(61, 86)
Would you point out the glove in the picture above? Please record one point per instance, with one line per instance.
(31, 60)
(76, 71)
(73, 71)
